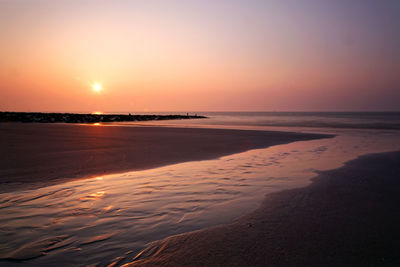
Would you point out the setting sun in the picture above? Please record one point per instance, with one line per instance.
(97, 87)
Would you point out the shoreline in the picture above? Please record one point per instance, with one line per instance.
(38, 155)
(346, 216)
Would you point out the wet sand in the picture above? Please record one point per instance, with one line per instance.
(37, 155)
(346, 217)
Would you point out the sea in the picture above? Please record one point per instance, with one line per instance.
(310, 120)
(109, 219)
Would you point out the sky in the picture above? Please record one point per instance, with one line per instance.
(209, 55)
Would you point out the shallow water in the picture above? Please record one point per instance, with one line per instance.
(110, 219)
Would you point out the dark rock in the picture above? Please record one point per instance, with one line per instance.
(85, 118)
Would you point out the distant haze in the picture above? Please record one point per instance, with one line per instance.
(190, 55)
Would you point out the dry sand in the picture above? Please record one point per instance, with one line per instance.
(347, 217)
(35, 155)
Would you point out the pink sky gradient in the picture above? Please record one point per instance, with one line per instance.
(199, 55)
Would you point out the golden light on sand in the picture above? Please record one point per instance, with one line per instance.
(97, 87)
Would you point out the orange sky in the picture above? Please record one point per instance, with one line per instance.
(199, 55)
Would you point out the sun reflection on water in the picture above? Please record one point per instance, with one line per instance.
(99, 194)
(108, 208)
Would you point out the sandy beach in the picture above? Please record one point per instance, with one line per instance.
(37, 155)
(346, 217)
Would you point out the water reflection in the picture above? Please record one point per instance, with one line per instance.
(108, 219)
(97, 195)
